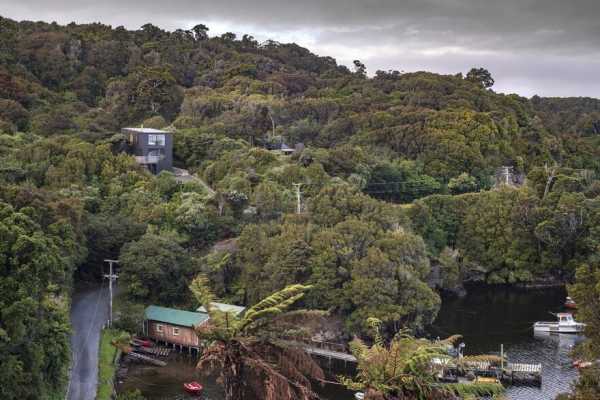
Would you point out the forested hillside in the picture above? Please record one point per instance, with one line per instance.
(397, 172)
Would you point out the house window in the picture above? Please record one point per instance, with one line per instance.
(159, 328)
(156, 140)
(175, 331)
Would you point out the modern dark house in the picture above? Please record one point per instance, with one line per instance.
(152, 148)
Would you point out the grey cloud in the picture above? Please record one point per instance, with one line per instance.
(527, 44)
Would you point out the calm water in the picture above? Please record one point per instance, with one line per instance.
(165, 383)
(488, 317)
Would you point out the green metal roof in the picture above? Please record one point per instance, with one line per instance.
(229, 308)
(174, 317)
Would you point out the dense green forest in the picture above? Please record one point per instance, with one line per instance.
(398, 170)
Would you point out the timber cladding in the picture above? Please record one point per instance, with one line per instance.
(176, 334)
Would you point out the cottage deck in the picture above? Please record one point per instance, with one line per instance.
(157, 351)
(147, 359)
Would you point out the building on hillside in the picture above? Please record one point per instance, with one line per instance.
(174, 327)
(228, 308)
(283, 148)
(152, 148)
(177, 327)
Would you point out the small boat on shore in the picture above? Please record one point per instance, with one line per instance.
(141, 342)
(565, 324)
(570, 303)
(193, 387)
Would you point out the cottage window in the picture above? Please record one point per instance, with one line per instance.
(156, 140)
(175, 331)
(159, 328)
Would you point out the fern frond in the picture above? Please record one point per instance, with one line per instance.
(274, 305)
(451, 340)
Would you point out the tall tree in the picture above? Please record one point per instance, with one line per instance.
(481, 76)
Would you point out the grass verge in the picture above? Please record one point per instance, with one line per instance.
(107, 364)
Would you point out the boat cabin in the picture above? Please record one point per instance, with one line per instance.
(565, 318)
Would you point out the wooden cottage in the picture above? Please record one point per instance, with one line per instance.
(175, 327)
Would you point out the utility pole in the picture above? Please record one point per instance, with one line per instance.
(506, 173)
(111, 277)
(298, 198)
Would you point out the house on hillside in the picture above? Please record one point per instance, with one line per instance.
(174, 327)
(152, 148)
(283, 148)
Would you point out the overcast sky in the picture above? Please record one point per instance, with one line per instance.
(544, 47)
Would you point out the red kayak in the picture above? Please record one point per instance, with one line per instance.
(142, 342)
(193, 387)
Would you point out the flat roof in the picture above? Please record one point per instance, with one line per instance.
(224, 308)
(175, 317)
(145, 130)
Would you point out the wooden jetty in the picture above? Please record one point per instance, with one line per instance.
(331, 351)
(514, 372)
(507, 372)
(338, 355)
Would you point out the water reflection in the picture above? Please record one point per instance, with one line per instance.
(166, 383)
(488, 317)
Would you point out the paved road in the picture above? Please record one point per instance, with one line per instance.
(89, 311)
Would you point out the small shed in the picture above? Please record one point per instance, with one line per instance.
(173, 326)
(287, 150)
(228, 308)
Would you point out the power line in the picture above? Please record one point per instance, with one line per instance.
(414, 181)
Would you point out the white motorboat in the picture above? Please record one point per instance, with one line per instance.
(565, 324)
